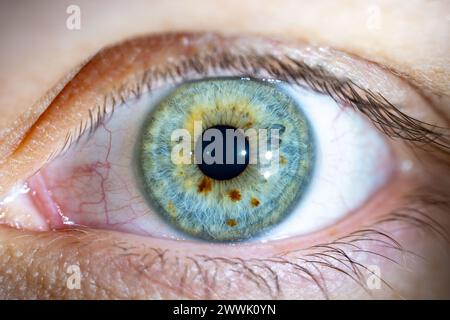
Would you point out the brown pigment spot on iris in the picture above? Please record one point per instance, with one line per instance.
(248, 125)
(205, 185)
(283, 160)
(234, 195)
(254, 202)
(231, 222)
(171, 208)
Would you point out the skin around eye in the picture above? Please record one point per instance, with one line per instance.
(262, 253)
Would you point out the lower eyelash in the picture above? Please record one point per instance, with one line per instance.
(106, 263)
(203, 276)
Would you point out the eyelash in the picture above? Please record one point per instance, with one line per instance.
(383, 114)
(305, 263)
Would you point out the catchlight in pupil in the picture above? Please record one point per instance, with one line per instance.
(223, 201)
(223, 169)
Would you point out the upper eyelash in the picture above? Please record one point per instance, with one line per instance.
(383, 114)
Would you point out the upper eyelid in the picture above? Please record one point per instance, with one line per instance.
(43, 103)
(119, 95)
(342, 89)
(137, 83)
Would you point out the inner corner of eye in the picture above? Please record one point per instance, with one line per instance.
(223, 159)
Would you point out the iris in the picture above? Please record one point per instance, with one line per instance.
(226, 200)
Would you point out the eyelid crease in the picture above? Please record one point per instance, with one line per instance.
(11, 137)
(250, 62)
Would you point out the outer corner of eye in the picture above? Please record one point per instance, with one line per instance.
(220, 159)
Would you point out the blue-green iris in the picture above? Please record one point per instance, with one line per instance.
(256, 199)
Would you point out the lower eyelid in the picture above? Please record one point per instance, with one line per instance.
(144, 272)
(137, 268)
(118, 266)
(154, 273)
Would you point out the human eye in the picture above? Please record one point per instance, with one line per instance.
(337, 150)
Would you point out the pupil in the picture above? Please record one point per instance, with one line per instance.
(224, 170)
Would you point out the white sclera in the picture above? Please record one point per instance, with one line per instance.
(353, 161)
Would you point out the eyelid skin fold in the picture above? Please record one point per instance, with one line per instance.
(124, 71)
(11, 137)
